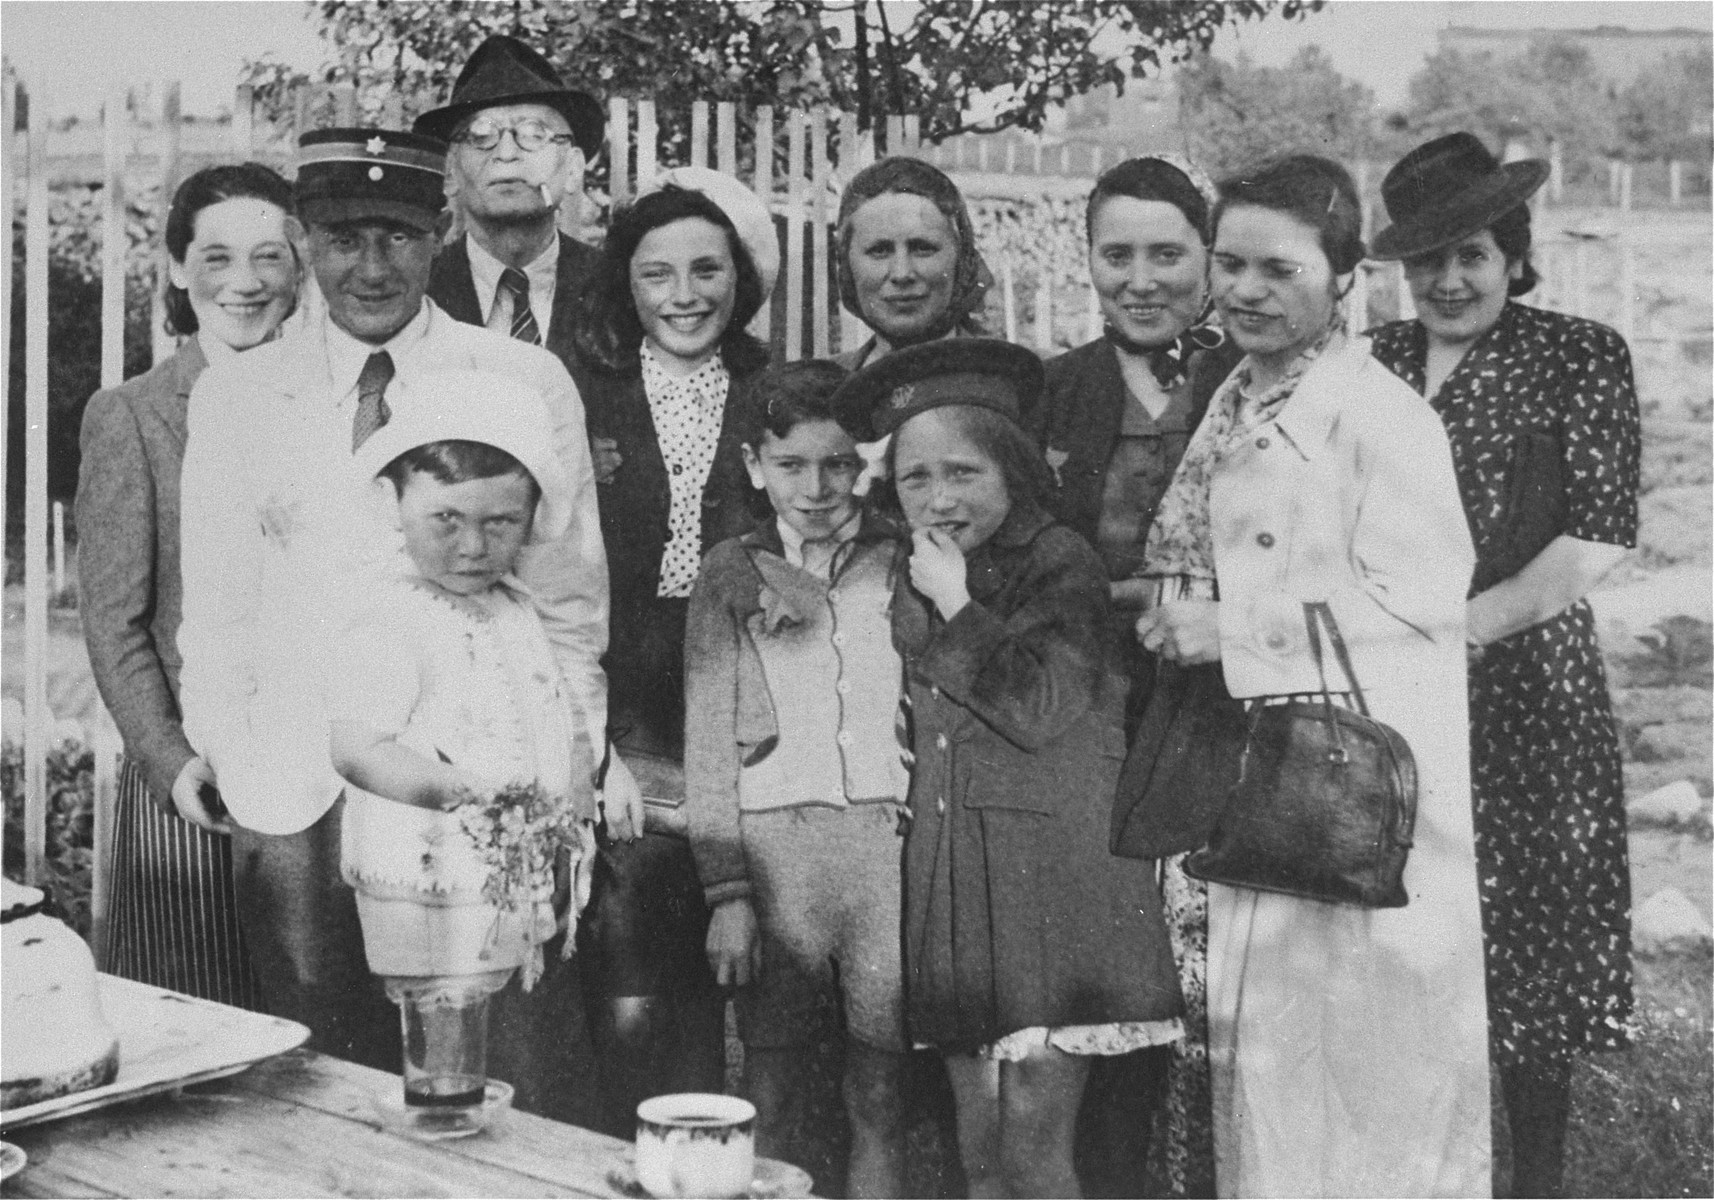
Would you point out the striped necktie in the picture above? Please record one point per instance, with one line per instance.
(524, 326)
(372, 410)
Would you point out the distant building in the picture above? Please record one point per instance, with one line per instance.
(1619, 55)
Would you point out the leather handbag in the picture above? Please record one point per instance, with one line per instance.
(1325, 802)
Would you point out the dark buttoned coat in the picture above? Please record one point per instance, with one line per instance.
(1016, 915)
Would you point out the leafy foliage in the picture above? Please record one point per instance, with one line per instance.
(961, 66)
(1664, 113)
(71, 825)
(1551, 90)
(1238, 113)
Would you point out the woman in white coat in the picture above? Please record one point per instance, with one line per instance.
(1348, 1046)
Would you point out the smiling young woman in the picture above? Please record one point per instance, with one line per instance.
(663, 364)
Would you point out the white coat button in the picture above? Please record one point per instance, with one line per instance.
(833, 593)
(844, 687)
(844, 737)
(940, 741)
(940, 805)
(1262, 443)
(934, 691)
(1276, 641)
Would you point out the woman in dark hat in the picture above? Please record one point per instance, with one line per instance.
(907, 261)
(234, 279)
(1114, 421)
(662, 359)
(1030, 951)
(1542, 412)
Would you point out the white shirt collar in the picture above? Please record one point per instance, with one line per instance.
(792, 541)
(346, 354)
(485, 272)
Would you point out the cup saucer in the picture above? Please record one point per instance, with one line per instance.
(12, 1160)
(773, 1181)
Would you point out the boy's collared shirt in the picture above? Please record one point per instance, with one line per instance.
(821, 551)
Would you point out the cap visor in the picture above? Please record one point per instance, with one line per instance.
(348, 211)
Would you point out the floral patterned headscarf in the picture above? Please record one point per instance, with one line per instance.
(971, 278)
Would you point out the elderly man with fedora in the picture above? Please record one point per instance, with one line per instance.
(278, 537)
(518, 143)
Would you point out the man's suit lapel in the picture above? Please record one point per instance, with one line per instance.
(451, 285)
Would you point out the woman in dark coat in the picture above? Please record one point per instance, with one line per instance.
(234, 279)
(1546, 440)
(662, 359)
(1029, 948)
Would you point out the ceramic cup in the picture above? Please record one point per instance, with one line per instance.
(696, 1144)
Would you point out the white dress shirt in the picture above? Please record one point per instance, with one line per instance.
(485, 272)
(280, 533)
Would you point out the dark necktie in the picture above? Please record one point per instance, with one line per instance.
(524, 326)
(372, 410)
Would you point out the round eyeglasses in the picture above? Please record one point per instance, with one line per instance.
(530, 134)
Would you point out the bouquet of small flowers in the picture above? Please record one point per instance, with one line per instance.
(519, 832)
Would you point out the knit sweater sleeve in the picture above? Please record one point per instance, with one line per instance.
(713, 641)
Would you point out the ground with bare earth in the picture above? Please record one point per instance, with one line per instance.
(1644, 1120)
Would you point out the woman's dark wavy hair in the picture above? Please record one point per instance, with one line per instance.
(1149, 179)
(608, 331)
(207, 187)
(1511, 230)
(1315, 190)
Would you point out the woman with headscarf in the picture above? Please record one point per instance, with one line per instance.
(663, 356)
(234, 279)
(907, 261)
(1346, 1048)
(1542, 412)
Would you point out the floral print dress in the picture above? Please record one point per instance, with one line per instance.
(1545, 763)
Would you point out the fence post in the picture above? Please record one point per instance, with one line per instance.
(699, 133)
(1555, 171)
(1035, 155)
(726, 137)
(9, 121)
(648, 142)
(913, 134)
(1613, 181)
(1675, 182)
(345, 104)
(794, 236)
(1358, 310)
(618, 149)
(163, 343)
(895, 135)
(114, 239)
(1008, 300)
(1362, 182)
(36, 714)
(1627, 292)
(1094, 321)
(303, 101)
(1044, 311)
(1095, 161)
(763, 325)
(1627, 179)
(1011, 157)
(821, 319)
(59, 552)
(103, 739)
(243, 116)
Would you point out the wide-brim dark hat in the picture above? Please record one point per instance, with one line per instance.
(1449, 189)
(982, 371)
(370, 174)
(503, 70)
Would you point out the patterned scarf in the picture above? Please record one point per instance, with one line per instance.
(1181, 542)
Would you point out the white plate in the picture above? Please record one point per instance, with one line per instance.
(167, 1040)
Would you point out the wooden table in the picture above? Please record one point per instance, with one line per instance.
(301, 1125)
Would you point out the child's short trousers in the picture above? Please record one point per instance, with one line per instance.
(827, 895)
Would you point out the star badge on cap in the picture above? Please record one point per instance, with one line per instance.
(376, 145)
(903, 395)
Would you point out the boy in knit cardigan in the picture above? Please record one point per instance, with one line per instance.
(794, 777)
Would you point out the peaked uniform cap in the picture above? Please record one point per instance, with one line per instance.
(986, 372)
(503, 70)
(351, 174)
(1449, 189)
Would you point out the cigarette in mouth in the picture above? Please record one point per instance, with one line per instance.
(547, 199)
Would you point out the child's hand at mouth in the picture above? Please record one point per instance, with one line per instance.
(938, 570)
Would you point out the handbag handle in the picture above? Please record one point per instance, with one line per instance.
(1318, 612)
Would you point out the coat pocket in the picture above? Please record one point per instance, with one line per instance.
(1000, 781)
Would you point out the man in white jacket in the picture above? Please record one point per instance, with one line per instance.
(279, 528)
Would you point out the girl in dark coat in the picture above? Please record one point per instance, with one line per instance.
(1028, 947)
